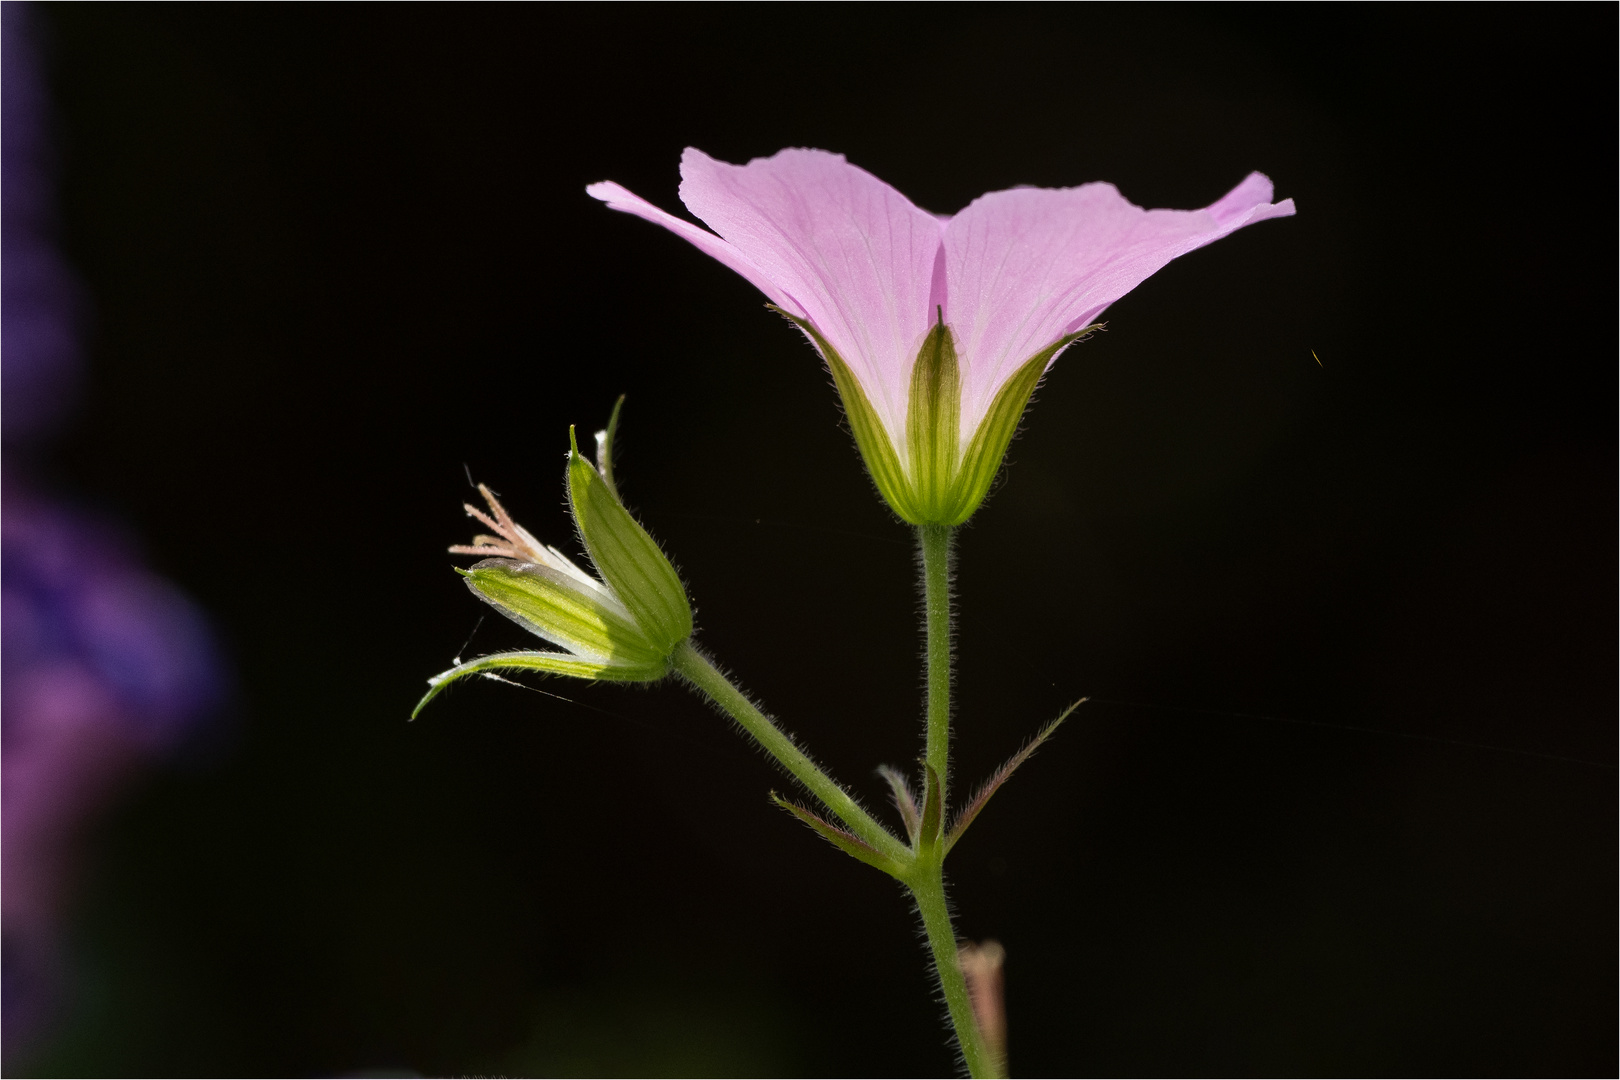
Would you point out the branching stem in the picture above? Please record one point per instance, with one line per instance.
(700, 672)
(922, 865)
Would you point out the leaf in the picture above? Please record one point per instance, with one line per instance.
(971, 810)
(904, 800)
(847, 842)
(933, 812)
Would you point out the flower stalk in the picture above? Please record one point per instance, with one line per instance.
(701, 673)
(935, 547)
(935, 551)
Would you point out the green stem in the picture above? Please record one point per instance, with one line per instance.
(929, 890)
(700, 671)
(935, 543)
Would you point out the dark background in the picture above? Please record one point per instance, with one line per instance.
(1344, 799)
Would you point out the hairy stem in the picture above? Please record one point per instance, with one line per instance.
(929, 890)
(935, 543)
(700, 672)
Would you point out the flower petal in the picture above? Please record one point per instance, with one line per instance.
(620, 198)
(1026, 266)
(857, 257)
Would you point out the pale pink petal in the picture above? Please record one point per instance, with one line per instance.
(620, 198)
(856, 256)
(1026, 266)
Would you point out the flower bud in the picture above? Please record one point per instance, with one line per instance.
(622, 628)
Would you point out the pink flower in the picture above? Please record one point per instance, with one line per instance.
(936, 328)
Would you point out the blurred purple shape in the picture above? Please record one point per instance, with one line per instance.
(38, 347)
(104, 666)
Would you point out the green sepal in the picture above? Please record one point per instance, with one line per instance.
(847, 842)
(604, 448)
(985, 451)
(938, 488)
(543, 662)
(992, 785)
(871, 437)
(934, 425)
(563, 610)
(628, 559)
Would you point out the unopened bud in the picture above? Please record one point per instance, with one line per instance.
(623, 627)
(981, 967)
